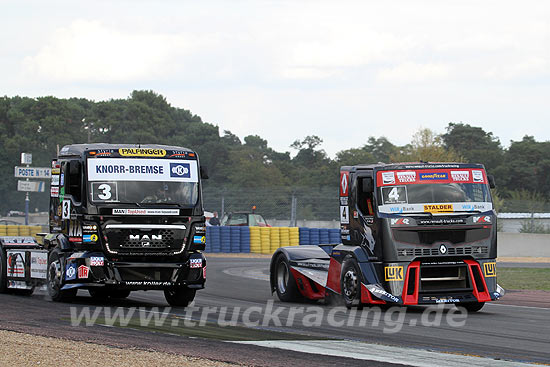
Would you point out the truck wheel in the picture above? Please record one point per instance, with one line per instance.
(179, 296)
(350, 283)
(3, 272)
(120, 294)
(285, 284)
(54, 281)
(472, 306)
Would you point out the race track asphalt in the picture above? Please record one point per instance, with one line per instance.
(501, 331)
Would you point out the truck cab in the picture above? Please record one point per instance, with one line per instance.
(125, 218)
(412, 233)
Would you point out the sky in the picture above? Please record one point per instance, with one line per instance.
(283, 70)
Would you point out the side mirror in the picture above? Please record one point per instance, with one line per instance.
(491, 180)
(204, 173)
(368, 184)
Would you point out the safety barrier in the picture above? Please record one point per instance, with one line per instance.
(20, 230)
(265, 240)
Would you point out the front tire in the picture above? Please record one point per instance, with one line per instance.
(179, 296)
(3, 272)
(54, 279)
(285, 284)
(472, 307)
(350, 283)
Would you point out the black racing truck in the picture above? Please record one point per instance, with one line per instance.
(412, 234)
(122, 218)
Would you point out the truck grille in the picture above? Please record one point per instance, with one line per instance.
(136, 240)
(451, 251)
(428, 237)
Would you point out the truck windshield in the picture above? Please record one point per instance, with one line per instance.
(434, 191)
(143, 181)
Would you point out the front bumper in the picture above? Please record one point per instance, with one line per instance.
(420, 283)
(90, 269)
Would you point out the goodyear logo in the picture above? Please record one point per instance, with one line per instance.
(438, 208)
(393, 273)
(434, 176)
(490, 269)
(141, 152)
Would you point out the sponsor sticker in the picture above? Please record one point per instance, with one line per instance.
(83, 271)
(141, 152)
(477, 176)
(142, 169)
(438, 208)
(388, 178)
(90, 238)
(97, 261)
(406, 176)
(55, 180)
(199, 239)
(54, 191)
(70, 272)
(180, 170)
(482, 219)
(344, 214)
(460, 176)
(89, 227)
(393, 273)
(146, 211)
(490, 269)
(400, 221)
(433, 176)
(344, 183)
(16, 265)
(195, 263)
(39, 265)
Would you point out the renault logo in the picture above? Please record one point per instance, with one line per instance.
(442, 249)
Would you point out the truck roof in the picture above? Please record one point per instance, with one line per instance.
(411, 165)
(78, 149)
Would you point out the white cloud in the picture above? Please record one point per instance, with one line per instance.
(412, 72)
(92, 51)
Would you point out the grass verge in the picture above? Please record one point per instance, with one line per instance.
(524, 278)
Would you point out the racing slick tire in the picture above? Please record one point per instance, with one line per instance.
(285, 284)
(3, 272)
(179, 296)
(54, 279)
(350, 283)
(472, 307)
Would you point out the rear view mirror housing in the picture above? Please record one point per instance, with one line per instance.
(492, 183)
(204, 172)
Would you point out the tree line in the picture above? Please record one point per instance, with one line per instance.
(40, 125)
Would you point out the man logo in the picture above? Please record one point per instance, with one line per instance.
(180, 170)
(393, 273)
(490, 269)
(145, 240)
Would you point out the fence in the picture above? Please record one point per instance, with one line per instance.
(279, 203)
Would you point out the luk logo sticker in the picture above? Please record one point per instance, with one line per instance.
(490, 269)
(344, 180)
(393, 273)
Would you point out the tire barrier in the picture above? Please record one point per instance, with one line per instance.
(265, 240)
(21, 230)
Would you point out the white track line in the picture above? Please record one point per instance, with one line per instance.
(383, 353)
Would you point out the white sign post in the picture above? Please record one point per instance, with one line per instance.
(33, 172)
(31, 186)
